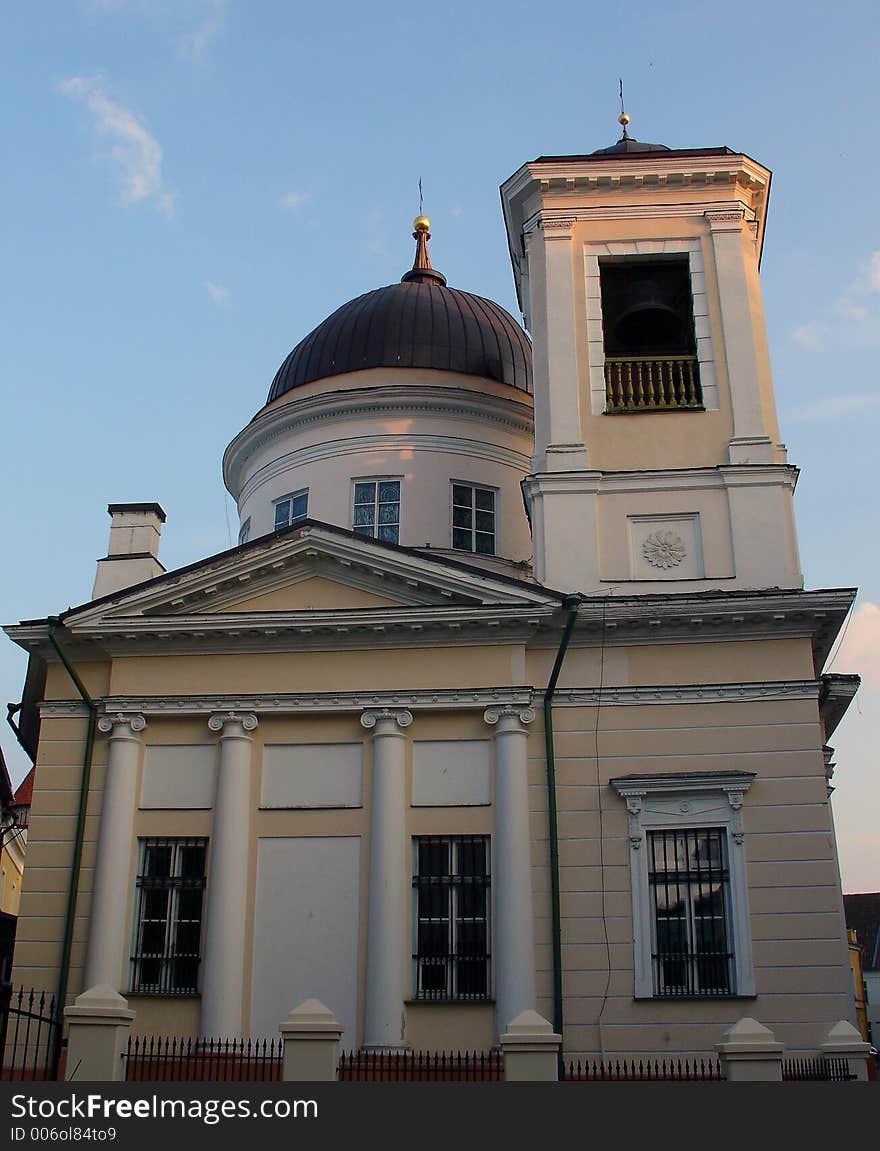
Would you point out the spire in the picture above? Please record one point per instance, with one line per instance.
(623, 118)
(421, 271)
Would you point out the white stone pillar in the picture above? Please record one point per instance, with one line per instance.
(389, 884)
(745, 338)
(310, 1034)
(110, 922)
(99, 1024)
(512, 867)
(531, 1050)
(223, 968)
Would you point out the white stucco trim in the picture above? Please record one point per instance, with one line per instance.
(669, 802)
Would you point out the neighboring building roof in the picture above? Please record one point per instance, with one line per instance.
(25, 792)
(863, 917)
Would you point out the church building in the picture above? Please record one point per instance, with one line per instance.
(510, 695)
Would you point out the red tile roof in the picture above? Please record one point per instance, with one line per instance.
(25, 793)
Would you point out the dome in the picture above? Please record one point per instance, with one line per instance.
(418, 323)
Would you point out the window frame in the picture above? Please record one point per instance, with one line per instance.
(454, 921)
(678, 803)
(473, 488)
(175, 883)
(289, 499)
(376, 481)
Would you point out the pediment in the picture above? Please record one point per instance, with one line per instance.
(314, 567)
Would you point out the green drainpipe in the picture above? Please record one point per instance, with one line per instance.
(570, 604)
(73, 888)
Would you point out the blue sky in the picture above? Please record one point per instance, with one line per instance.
(192, 185)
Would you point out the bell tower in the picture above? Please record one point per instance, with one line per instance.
(658, 465)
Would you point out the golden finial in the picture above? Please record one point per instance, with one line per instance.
(623, 119)
(421, 224)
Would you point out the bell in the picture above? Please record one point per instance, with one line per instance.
(647, 320)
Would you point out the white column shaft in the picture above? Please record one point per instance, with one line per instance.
(512, 875)
(223, 968)
(110, 923)
(388, 887)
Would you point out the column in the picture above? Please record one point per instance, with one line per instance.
(110, 924)
(223, 968)
(745, 339)
(390, 867)
(512, 867)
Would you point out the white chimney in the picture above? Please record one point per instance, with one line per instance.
(133, 553)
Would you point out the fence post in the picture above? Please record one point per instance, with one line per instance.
(749, 1053)
(843, 1041)
(531, 1049)
(99, 1023)
(311, 1035)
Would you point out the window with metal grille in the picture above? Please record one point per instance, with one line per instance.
(473, 519)
(689, 885)
(451, 917)
(170, 893)
(377, 509)
(291, 509)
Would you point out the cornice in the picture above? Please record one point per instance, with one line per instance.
(121, 709)
(396, 399)
(299, 703)
(686, 693)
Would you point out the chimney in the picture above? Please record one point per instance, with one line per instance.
(133, 553)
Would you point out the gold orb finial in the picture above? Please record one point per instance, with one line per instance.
(421, 224)
(623, 118)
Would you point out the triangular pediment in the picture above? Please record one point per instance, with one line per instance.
(314, 567)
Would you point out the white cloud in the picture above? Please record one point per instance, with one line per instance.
(135, 150)
(834, 406)
(217, 292)
(854, 316)
(194, 45)
(860, 649)
(293, 201)
(809, 336)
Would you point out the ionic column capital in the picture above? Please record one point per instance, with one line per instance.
(221, 720)
(122, 725)
(397, 717)
(509, 718)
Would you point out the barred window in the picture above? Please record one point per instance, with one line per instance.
(689, 885)
(168, 916)
(473, 519)
(377, 509)
(291, 509)
(451, 916)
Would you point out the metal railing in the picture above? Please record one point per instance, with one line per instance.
(420, 1066)
(27, 1031)
(652, 383)
(643, 1070)
(165, 1059)
(823, 1069)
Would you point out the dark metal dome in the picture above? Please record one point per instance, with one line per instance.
(418, 323)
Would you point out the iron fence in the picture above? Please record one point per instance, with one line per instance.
(644, 1070)
(28, 1027)
(165, 1058)
(420, 1066)
(816, 1069)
